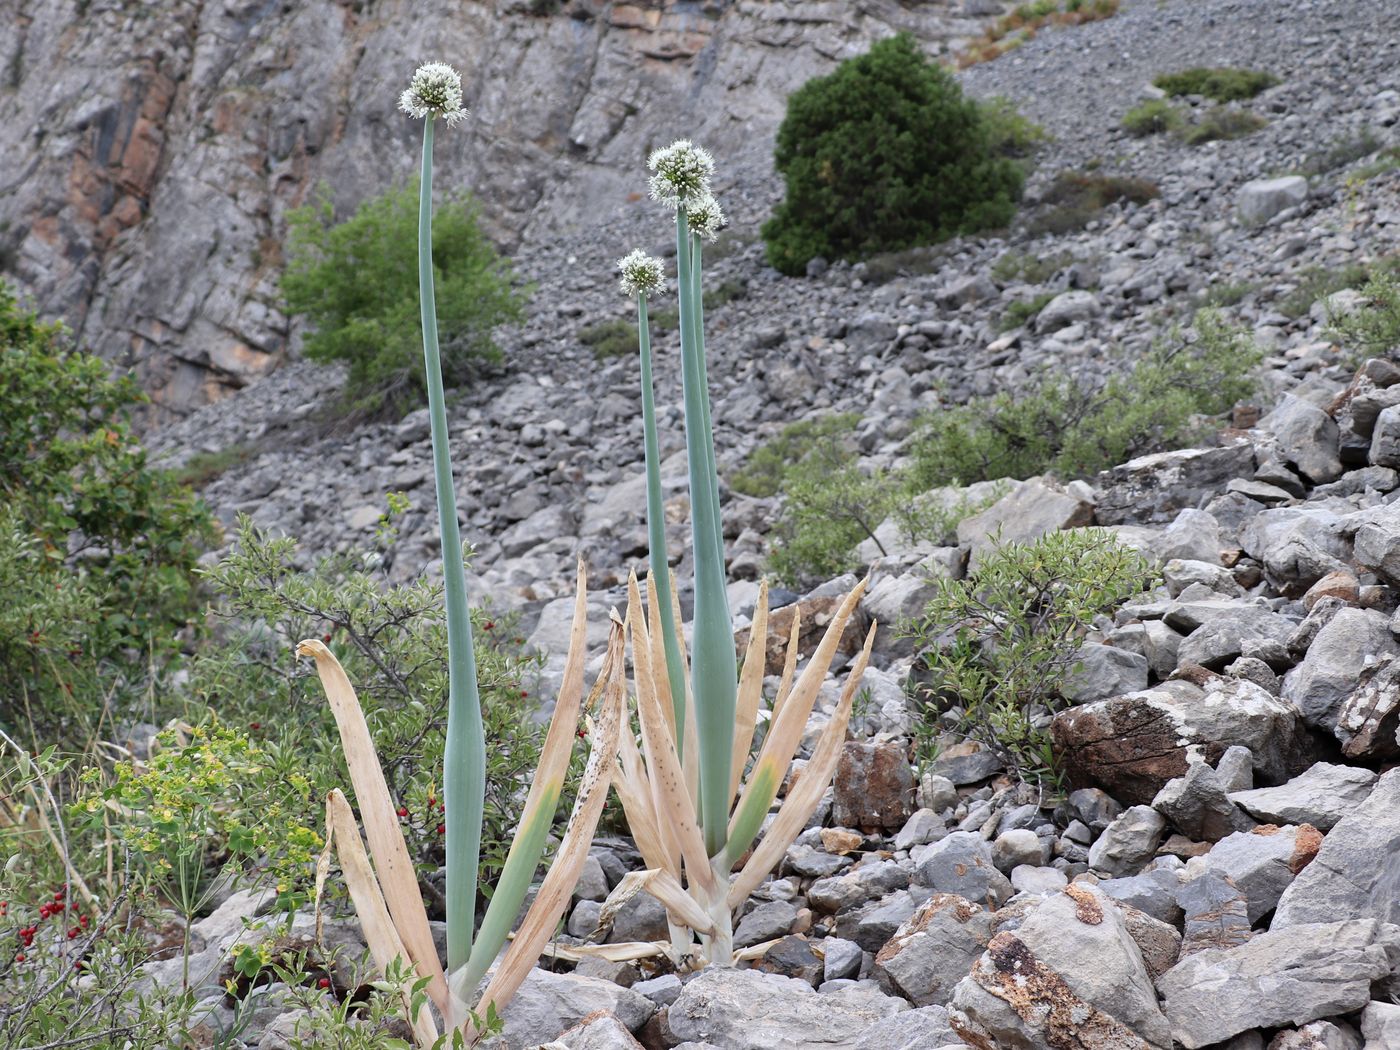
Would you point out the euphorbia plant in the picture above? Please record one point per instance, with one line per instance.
(386, 895)
(690, 809)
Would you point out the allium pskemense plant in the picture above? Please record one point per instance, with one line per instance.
(386, 895)
(692, 813)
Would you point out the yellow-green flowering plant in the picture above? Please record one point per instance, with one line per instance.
(382, 882)
(693, 813)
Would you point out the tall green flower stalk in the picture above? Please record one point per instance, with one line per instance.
(695, 826)
(437, 92)
(386, 894)
(643, 276)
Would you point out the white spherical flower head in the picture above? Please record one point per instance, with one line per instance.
(641, 274)
(435, 91)
(683, 173)
(705, 217)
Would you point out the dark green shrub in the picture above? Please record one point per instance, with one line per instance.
(883, 154)
(1221, 83)
(1023, 311)
(1058, 426)
(1028, 267)
(1077, 197)
(615, 338)
(97, 547)
(1372, 329)
(1223, 122)
(392, 641)
(1152, 117)
(357, 283)
(996, 647)
(763, 471)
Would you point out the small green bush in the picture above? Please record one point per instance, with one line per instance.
(97, 546)
(883, 154)
(1029, 267)
(1023, 311)
(357, 284)
(996, 647)
(763, 472)
(1221, 83)
(1318, 282)
(1155, 116)
(1373, 328)
(615, 338)
(1058, 426)
(1338, 154)
(1221, 123)
(1076, 197)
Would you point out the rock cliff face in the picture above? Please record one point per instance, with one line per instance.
(152, 150)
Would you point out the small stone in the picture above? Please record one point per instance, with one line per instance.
(1129, 842)
(1016, 848)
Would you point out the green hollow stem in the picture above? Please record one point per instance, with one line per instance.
(698, 323)
(464, 756)
(656, 530)
(714, 665)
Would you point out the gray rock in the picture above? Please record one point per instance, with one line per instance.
(1380, 1024)
(923, 1029)
(962, 864)
(1019, 846)
(1288, 976)
(1193, 535)
(597, 1032)
(1296, 545)
(1155, 488)
(642, 918)
(549, 1003)
(1262, 863)
(592, 884)
(1197, 806)
(750, 1010)
(875, 923)
(765, 922)
(1246, 631)
(1129, 842)
(1260, 200)
(974, 288)
(1027, 878)
(813, 863)
(1096, 808)
(1332, 669)
(923, 826)
(1355, 872)
(1216, 914)
(934, 949)
(1320, 797)
(1385, 438)
(937, 792)
(1368, 722)
(1153, 893)
(1319, 1035)
(967, 769)
(1307, 438)
(1067, 308)
(1178, 574)
(843, 958)
(1235, 770)
(1101, 671)
(864, 883)
(1377, 546)
(661, 990)
(1026, 513)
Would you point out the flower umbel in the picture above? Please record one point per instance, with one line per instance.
(641, 274)
(705, 217)
(683, 173)
(435, 91)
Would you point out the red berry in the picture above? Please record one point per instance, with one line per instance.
(431, 802)
(82, 921)
(73, 933)
(78, 964)
(255, 726)
(324, 982)
(489, 624)
(442, 829)
(523, 693)
(403, 811)
(325, 638)
(58, 896)
(19, 957)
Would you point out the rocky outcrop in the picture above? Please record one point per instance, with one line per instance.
(153, 150)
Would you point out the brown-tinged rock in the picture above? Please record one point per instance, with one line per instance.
(874, 786)
(1133, 745)
(934, 949)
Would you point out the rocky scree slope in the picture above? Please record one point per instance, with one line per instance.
(1224, 870)
(153, 150)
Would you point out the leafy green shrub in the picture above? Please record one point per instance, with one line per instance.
(1221, 83)
(1339, 153)
(1023, 311)
(613, 338)
(996, 647)
(1318, 282)
(357, 283)
(1152, 117)
(1372, 329)
(1058, 426)
(1076, 197)
(883, 154)
(1028, 267)
(392, 643)
(97, 545)
(1223, 122)
(765, 467)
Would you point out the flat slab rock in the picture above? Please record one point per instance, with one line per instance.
(1321, 797)
(1289, 976)
(1133, 745)
(749, 1010)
